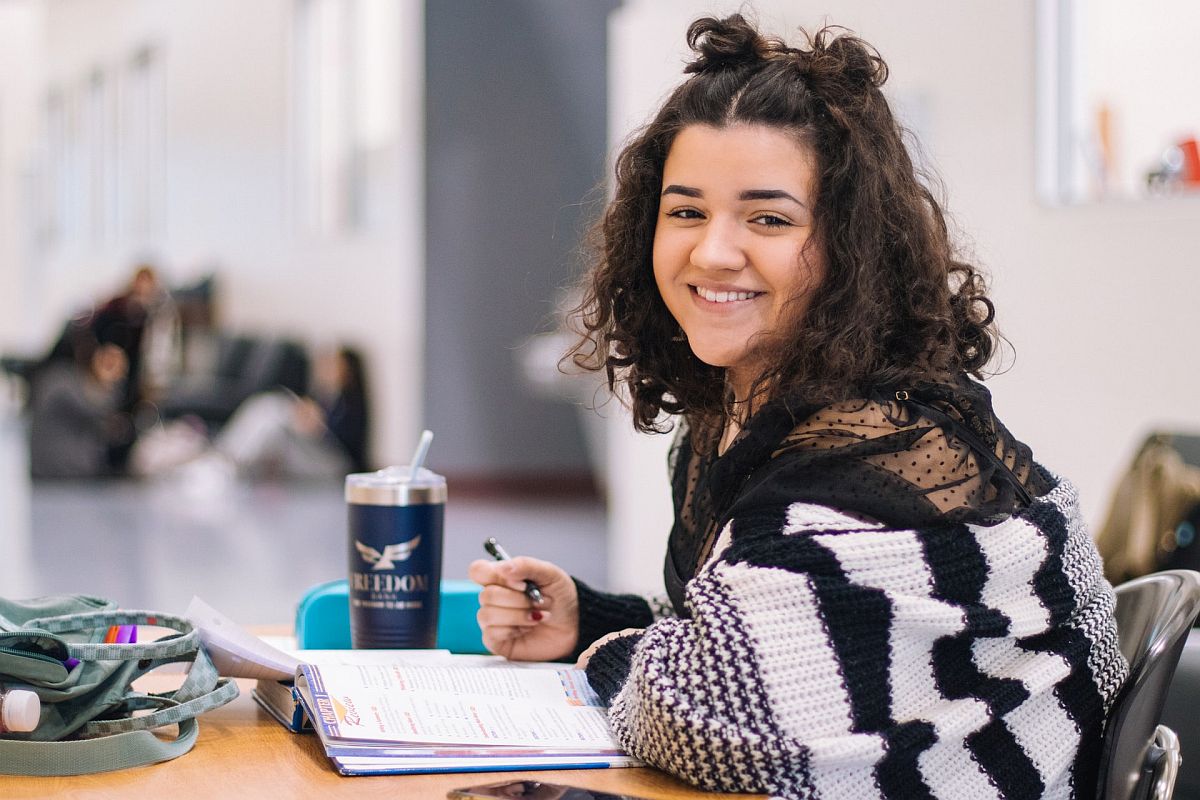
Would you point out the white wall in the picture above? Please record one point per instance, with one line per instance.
(1153, 104)
(21, 61)
(1098, 300)
(226, 194)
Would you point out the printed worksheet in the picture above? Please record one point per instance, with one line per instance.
(398, 703)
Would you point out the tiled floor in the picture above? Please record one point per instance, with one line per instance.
(249, 550)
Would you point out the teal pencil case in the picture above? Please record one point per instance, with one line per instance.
(323, 617)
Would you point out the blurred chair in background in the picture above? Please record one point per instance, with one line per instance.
(244, 366)
(1179, 714)
(1154, 614)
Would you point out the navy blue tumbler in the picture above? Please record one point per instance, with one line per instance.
(395, 550)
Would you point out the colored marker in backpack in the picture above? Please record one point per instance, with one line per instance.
(121, 634)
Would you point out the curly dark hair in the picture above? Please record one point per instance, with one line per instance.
(897, 307)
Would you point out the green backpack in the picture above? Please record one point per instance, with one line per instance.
(54, 647)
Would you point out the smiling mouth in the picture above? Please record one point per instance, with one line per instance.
(724, 297)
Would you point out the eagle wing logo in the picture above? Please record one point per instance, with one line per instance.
(400, 551)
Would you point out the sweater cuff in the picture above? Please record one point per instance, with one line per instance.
(601, 613)
(609, 666)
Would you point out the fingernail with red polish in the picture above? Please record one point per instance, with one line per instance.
(535, 615)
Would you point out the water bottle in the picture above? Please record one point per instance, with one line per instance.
(395, 549)
(20, 711)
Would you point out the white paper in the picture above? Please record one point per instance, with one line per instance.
(430, 658)
(287, 645)
(448, 705)
(235, 652)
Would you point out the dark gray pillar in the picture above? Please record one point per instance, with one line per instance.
(515, 147)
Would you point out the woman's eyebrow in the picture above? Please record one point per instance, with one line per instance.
(769, 194)
(686, 191)
(749, 194)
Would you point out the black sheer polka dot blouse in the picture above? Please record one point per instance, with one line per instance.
(923, 455)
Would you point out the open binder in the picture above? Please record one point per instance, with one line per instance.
(402, 718)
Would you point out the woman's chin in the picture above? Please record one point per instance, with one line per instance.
(716, 356)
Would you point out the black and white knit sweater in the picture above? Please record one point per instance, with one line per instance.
(821, 653)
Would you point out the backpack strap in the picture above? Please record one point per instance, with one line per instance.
(128, 740)
(85, 756)
(201, 691)
(185, 642)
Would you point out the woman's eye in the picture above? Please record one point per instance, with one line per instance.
(771, 221)
(685, 213)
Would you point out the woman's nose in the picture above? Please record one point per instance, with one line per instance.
(719, 247)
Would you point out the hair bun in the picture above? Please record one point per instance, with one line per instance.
(834, 54)
(838, 55)
(724, 43)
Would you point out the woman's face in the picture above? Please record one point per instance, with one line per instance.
(329, 373)
(730, 256)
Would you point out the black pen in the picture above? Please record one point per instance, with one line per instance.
(497, 552)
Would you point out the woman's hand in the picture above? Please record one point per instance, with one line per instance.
(308, 418)
(512, 625)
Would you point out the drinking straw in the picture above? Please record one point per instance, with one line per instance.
(418, 459)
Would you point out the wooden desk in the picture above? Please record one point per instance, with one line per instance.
(242, 752)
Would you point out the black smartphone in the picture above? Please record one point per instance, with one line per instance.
(534, 790)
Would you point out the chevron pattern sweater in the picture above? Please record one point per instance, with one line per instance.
(824, 656)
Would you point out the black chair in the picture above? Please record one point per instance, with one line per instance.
(244, 367)
(1179, 714)
(1140, 757)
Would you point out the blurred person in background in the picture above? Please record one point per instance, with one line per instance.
(143, 322)
(324, 434)
(278, 434)
(75, 400)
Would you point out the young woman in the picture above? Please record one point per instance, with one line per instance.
(873, 590)
(74, 407)
(276, 433)
(324, 435)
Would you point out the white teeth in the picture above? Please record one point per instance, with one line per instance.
(724, 297)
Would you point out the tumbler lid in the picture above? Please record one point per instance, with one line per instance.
(395, 486)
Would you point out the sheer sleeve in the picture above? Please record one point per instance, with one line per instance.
(602, 613)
